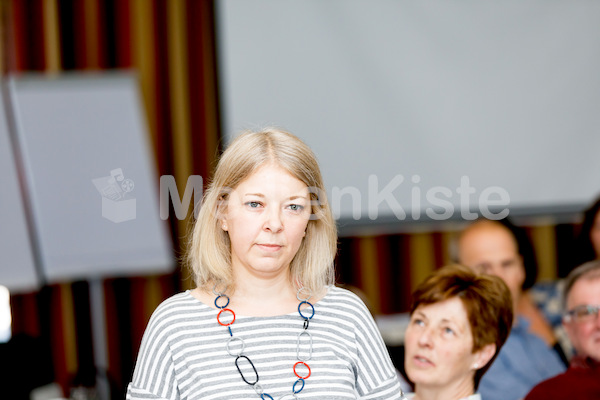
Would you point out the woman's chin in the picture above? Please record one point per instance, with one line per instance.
(420, 377)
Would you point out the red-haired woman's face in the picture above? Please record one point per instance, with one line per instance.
(439, 346)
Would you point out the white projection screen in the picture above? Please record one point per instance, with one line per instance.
(17, 263)
(421, 110)
(76, 133)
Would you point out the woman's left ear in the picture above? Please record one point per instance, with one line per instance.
(484, 355)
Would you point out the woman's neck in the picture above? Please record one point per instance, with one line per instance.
(264, 297)
(259, 297)
(455, 391)
(255, 297)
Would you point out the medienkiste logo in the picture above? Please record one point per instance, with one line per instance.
(434, 202)
(118, 202)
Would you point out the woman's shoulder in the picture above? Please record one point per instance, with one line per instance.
(342, 294)
(177, 309)
(344, 302)
(177, 301)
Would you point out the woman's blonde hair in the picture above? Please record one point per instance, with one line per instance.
(209, 251)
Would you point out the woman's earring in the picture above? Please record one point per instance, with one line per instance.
(224, 226)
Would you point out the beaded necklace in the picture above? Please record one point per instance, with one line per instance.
(239, 355)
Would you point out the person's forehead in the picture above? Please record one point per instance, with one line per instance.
(586, 290)
(488, 241)
(452, 309)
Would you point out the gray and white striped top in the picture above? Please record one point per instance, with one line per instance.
(184, 355)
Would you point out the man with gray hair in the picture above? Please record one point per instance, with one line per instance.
(581, 321)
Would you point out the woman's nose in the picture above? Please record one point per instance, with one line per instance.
(273, 220)
(425, 338)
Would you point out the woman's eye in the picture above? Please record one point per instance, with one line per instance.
(449, 331)
(253, 204)
(296, 207)
(418, 322)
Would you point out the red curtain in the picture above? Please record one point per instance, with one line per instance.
(170, 44)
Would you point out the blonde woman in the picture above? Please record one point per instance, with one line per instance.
(265, 321)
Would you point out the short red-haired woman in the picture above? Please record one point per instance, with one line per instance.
(459, 321)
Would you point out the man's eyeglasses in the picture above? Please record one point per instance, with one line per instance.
(583, 313)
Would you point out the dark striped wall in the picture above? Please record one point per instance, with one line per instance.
(171, 45)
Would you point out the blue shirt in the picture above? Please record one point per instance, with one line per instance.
(548, 297)
(524, 361)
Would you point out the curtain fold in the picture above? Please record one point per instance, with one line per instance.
(170, 45)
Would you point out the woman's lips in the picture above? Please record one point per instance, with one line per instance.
(269, 247)
(422, 362)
